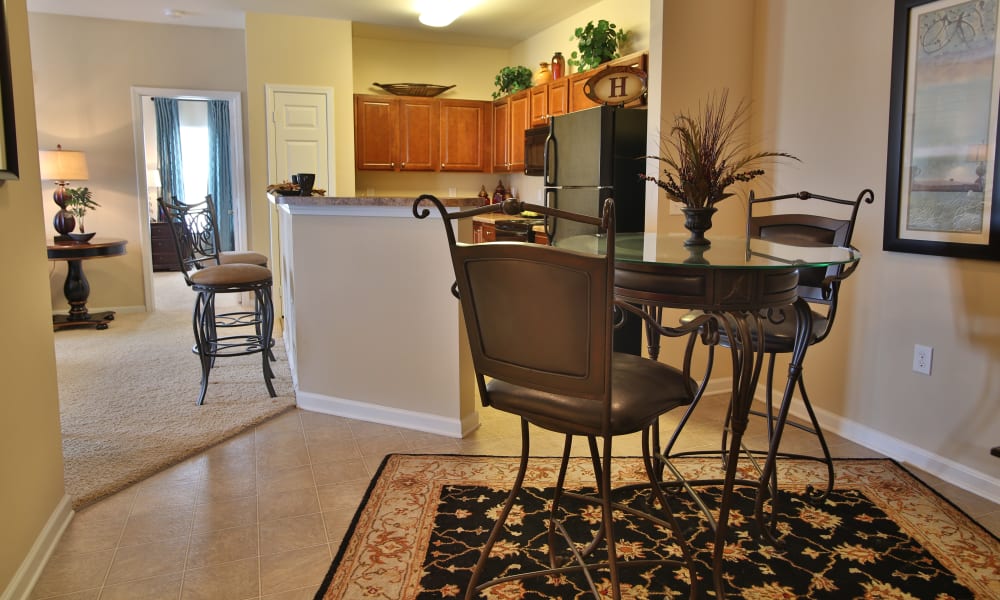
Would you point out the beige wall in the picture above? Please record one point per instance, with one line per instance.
(296, 51)
(82, 90)
(827, 102)
(31, 474)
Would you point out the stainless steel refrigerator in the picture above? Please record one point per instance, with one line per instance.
(591, 155)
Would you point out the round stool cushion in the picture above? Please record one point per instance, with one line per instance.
(247, 258)
(234, 274)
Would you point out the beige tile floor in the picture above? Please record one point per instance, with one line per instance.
(262, 515)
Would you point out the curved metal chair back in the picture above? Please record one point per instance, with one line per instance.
(196, 233)
(816, 286)
(536, 315)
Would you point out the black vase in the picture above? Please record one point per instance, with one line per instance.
(698, 220)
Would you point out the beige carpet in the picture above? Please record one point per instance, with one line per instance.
(127, 396)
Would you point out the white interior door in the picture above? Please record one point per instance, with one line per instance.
(300, 130)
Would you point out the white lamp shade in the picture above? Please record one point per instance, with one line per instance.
(63, 165)
(153, 178)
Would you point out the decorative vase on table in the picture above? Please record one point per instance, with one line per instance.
(698, 220)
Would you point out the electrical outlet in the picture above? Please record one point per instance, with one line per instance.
(922, 356)
(452, 192)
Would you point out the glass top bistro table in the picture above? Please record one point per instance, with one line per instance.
(739, 282)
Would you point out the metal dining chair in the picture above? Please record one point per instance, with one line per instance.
(556, 370)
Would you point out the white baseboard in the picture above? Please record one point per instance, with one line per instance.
(27, 574)
(971, 480)
(387, 415)
(977, 482)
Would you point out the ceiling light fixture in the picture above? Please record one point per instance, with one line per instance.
(174, 13)
(441, 13)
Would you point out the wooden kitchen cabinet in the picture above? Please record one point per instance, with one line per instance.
(578, 100)
(464, 135)
(519, 113)
(396, 133)
(558, 101)
(501, 136)
(539, 99)
(483, 232)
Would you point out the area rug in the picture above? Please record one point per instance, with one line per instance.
(128, 395)
(881, 534)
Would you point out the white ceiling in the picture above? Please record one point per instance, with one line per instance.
(499, 23)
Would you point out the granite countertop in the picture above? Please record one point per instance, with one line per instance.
(369, 201)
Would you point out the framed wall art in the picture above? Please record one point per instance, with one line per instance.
(941, 178)
(8, 139)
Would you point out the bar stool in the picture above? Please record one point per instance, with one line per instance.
(195, 237)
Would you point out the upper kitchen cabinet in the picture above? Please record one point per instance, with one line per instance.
(396, 133)
(539, 101)
(501, 136)
(511, 116)
(464, 135)
(519, 115)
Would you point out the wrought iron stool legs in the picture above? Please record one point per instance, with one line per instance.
(209, 344)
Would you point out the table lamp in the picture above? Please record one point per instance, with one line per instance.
(63, 166)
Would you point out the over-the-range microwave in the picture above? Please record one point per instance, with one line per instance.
(534, 150)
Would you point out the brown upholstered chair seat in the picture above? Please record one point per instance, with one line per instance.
(641, 389)
(228, 275)
(248, 258)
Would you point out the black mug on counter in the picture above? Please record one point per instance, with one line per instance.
(305, 181)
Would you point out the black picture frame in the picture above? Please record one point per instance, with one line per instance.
(8, 137)
(939, 158)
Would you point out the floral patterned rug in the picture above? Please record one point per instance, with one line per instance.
(881, 534)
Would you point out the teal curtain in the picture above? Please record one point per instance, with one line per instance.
(220, 180)
(168, 146)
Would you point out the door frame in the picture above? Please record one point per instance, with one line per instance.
(235, 102)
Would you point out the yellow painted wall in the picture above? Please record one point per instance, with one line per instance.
(827, 102)
(630, 15)
(31, 477)
(296, 51)
(83, 94)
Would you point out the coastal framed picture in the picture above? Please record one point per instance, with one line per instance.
(941, 182)
(8, 139)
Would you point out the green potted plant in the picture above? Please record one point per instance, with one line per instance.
(703, 157)
(596, 44)
(78, 202)
(511, 80)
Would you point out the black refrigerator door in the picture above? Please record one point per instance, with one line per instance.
(584, 201)
(578, 149)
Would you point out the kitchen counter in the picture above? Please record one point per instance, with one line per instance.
(363, 206)
(371, 327)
